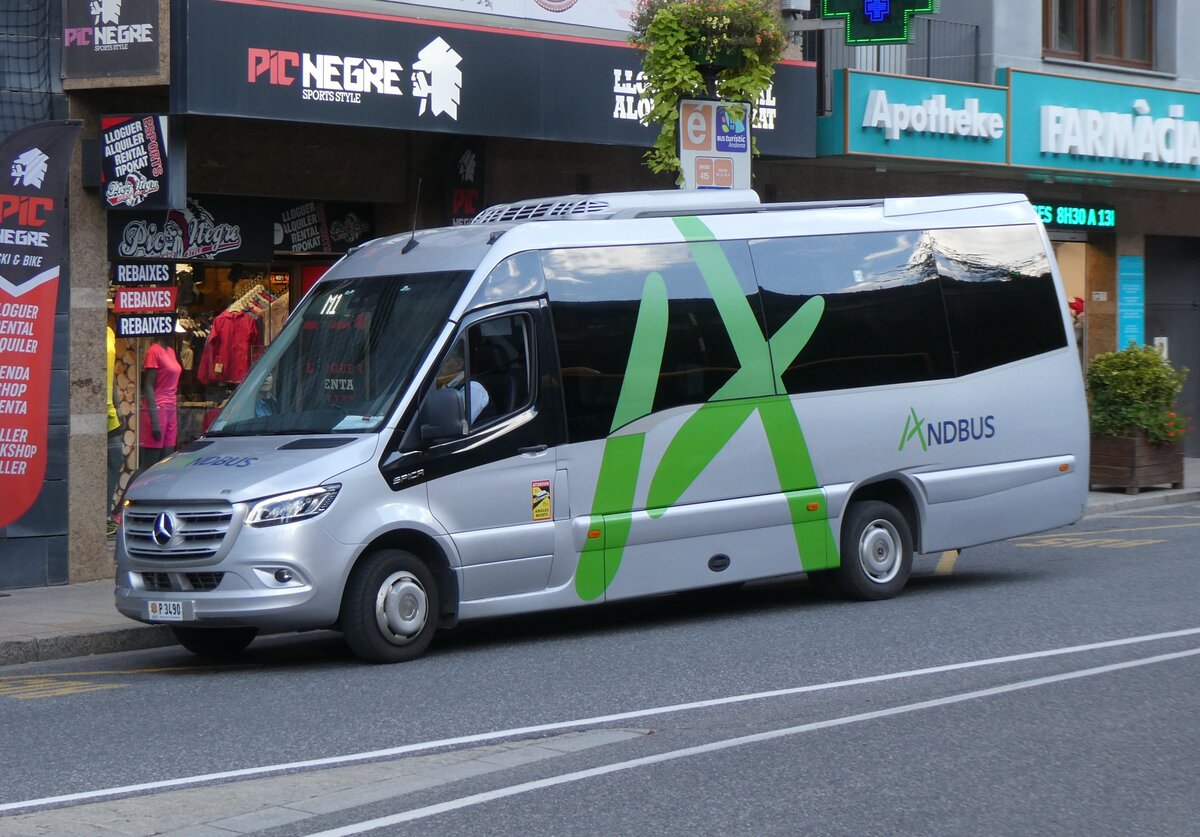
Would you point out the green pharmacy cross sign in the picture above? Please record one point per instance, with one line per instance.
(877, 21)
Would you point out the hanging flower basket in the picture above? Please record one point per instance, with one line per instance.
(702, 48)
(719, 59)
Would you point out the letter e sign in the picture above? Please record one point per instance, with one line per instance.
(697, 123)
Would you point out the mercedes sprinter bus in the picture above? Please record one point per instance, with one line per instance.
(585, 399)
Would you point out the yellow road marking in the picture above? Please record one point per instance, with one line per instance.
(945, 564)
(1123, 531)
(1080, 541)
(29, 688)
(171, 670)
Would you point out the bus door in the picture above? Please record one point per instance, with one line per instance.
(490, 474)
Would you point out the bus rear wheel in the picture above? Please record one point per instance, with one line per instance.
(389, 609)
(877, 551)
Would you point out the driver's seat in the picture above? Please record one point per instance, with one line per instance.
(493, 370)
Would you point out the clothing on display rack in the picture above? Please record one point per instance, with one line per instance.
(275, 317)
(237, 335)
(187, 356)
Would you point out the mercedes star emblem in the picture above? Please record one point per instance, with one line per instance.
(164, 528)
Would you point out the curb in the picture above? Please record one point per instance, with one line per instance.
(1123, 502)
(41, 649)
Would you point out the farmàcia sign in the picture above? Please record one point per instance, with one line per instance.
(1097, 127)
(1125, 136)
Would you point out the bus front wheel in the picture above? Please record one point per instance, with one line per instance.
(877, 551)
(389, 610)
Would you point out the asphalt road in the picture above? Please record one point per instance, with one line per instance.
(1042, 685)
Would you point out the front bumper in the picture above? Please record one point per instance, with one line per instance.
(276, 578)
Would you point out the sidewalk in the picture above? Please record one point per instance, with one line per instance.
(50, 623)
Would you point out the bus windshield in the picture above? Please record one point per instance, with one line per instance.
(343, 358)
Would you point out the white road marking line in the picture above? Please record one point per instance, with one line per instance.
(556, 726)
(527, 787)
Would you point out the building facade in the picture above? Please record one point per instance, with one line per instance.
(232, 149)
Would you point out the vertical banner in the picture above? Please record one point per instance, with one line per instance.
(33, 216)
(1131, 301)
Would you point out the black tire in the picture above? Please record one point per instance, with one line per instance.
(877, 552)
(390, 607)
(218, 643)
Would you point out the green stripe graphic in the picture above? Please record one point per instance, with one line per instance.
(757, 387)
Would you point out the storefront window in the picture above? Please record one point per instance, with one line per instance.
(342, 360)
(1106, 31)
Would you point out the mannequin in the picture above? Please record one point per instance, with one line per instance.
(158, 426)
(116, 453)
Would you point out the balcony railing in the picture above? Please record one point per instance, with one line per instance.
(939, 49)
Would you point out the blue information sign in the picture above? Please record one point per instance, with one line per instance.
(1131, 300)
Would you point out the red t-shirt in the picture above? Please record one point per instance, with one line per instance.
(166, 383)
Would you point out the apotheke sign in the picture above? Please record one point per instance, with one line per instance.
(932, 116)
(899, 116)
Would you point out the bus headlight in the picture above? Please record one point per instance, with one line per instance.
(293, 506)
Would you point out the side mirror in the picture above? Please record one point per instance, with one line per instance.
(441, 416)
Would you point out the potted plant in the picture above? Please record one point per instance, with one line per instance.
(1137, 433)
(723, 49)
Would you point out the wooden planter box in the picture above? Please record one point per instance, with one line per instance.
(1133, 463)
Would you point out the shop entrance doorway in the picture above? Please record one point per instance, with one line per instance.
(1072, 264)
(1173, 315)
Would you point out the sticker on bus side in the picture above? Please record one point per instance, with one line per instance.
(541, 499)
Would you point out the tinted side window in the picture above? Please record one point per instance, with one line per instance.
(488, 370)
(1000, 295)
(595, 298)
(884, 321)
